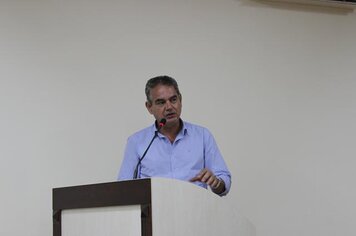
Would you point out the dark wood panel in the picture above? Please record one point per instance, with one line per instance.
(119, 193)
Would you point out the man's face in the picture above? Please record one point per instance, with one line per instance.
(165, 103)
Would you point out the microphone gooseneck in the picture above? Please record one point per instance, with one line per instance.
(161, 123)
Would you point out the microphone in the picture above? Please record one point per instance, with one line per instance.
(160, 125)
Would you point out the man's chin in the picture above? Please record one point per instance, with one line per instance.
(172, 120)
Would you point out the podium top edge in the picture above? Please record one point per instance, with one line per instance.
(142, 181)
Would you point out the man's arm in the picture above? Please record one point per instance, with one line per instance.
(129, 162)
(215, 163)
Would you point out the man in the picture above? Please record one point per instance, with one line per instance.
(177, 149)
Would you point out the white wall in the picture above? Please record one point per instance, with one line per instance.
(274, 83)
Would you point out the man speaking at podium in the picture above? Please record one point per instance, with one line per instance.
(171, 147)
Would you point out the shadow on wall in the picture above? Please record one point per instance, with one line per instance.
(335, 7)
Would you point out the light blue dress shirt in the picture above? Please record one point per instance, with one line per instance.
(193, 149)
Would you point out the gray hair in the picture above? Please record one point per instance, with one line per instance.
(163, 80)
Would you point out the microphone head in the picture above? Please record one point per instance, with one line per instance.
(162, 122)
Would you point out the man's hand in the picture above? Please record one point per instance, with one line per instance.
(207, 176)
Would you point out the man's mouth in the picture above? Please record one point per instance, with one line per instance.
(170, 115)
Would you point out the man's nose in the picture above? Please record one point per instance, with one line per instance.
(168, 105)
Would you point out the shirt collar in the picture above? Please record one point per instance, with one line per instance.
(182, 132)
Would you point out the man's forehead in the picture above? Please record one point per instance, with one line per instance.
(163, 92)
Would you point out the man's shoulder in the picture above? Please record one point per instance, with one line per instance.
(142, 133)
(190, 127)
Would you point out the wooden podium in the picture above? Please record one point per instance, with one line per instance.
(147, 207)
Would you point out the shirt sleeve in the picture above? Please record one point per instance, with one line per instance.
(129, 162)
(215, 162)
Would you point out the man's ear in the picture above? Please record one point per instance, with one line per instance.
(149, 107)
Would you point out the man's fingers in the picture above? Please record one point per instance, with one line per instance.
(215, 184)
(206, 176)
(196, 178)
(199, 176)
(210, 180)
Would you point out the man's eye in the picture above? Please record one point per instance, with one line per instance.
(174, 100)
(159, 102)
